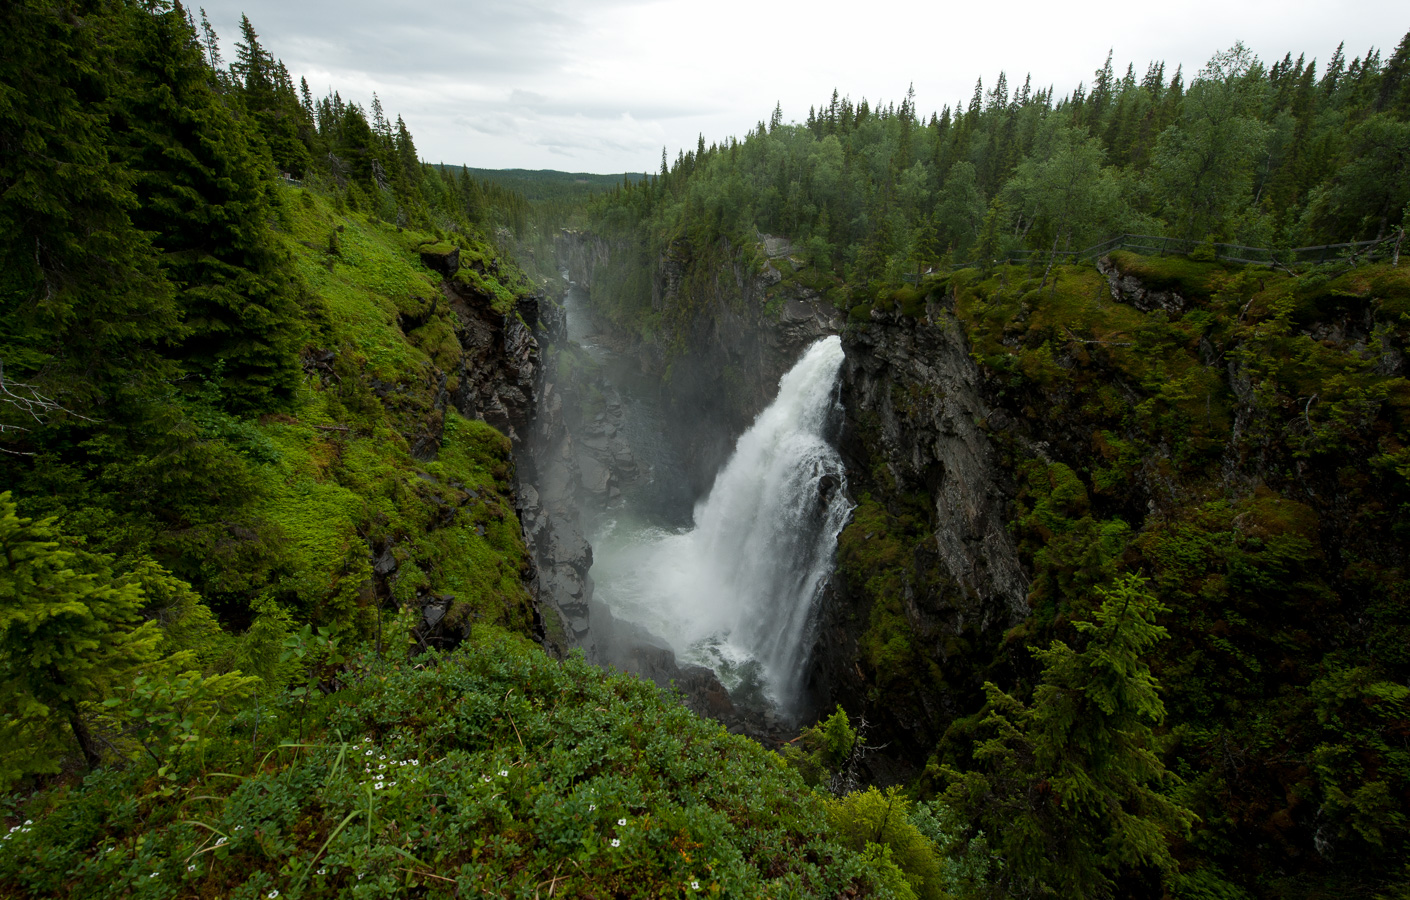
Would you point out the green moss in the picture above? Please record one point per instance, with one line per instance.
(437, 247)
(878, 551)
(500, 297)
(1188, 277)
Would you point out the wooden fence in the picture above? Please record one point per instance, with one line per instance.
(1151, 245)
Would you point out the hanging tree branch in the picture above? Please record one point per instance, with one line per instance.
(29, 401)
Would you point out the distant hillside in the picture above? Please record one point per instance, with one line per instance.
(548, 184)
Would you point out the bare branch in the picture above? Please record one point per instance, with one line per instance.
(29, 401)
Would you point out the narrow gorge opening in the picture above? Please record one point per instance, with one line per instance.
(736, 591)
(728, 581)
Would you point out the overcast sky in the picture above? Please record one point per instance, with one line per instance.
(603, 85)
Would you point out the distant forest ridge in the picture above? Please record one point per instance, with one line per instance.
(549, 184)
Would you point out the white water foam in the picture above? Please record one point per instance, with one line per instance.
(738, 591)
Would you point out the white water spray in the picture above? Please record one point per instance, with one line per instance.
(738, 591)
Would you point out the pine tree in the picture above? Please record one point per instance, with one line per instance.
(68, 632)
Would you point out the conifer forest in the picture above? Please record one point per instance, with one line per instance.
(1005, 501)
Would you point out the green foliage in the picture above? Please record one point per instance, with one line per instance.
(203, 177)
(879, 824)
(493, 768)
(69, 635)
(821, 751)
(1071, 786)
(84, 304)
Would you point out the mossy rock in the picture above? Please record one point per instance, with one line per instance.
(1189, 278)
(442, 256)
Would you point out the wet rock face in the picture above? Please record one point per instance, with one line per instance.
(913, 404)
(745, 334)
(915, 432)
(499, 365)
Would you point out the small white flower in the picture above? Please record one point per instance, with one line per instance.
(391, 784)
(367, 740)
(695, 885)
(381, 765)
(272, 894)
(486, 779)
(191, 868)
(368, 753)
(110, 850)
(621, 821)
(359, 876)
(154, 875)
(29, 821)
(220, 841)
(592, 807)
(13, 830)
(383, 756)
(379, 785)
(616, 843)
(25, 830)
(416, 762)
(323, 871)
(238, 827)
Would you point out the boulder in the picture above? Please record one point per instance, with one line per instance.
(443, 257)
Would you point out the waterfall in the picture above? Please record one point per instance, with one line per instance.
(738, 590)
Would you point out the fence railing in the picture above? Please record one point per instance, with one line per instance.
(1153, 245)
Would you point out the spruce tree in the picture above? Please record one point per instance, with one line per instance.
(69, 633)
(1069, 787)
(84, 307)
(204, 175)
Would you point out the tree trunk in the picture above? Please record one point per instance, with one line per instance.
(91, 754)
(1051, 259)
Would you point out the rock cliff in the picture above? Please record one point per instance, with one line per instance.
(915, 438)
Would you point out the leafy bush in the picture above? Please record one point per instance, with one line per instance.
(490, 769)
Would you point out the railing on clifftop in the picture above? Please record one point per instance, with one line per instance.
(1152, 245)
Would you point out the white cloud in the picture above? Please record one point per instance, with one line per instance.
(601, 85)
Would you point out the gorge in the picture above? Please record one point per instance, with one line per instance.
(1008, 503)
